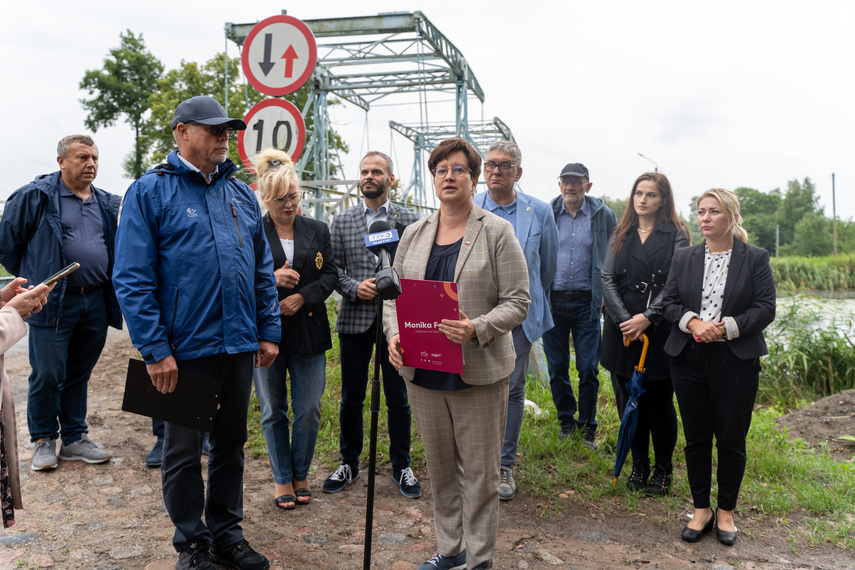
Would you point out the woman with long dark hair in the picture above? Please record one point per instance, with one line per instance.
(634, 273)
(719, 297)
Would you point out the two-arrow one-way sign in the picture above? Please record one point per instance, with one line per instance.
(279, 55)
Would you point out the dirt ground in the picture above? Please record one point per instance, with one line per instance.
(111, 516)
(823, 422)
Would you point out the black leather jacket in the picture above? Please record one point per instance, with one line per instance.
(634, 279)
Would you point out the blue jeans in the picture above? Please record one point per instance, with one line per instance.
(291, 456)
(516, 397)
(574, 317)
(62, 359)
(356, 352)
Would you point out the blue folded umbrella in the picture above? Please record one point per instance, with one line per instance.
(629, 420)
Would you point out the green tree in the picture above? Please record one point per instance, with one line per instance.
(190, 80)
(812, 235)
(617, 205)
(122, 88)
(759, 211)
(845, 236)
(799, 199)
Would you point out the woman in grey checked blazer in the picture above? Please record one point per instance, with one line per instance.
(461, 417)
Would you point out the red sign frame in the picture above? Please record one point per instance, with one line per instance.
(287, 106)
(258, 82)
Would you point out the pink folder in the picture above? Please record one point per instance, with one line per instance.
(421, 307)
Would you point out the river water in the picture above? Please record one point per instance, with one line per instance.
(819, 311)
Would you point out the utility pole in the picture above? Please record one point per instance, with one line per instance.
(834, 212)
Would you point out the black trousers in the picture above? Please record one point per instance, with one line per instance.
(184, 492)
(356, 350)
(657, 418)
(715, 391)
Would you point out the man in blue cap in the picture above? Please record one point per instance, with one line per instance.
(584, 226)
(194, 277)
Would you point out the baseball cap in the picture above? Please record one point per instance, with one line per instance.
(205, 111)
(575, 169)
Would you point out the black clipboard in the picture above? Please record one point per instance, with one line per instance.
(193, 404)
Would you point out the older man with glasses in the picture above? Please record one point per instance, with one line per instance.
(194, 276)
(534, 227)
(584, 226)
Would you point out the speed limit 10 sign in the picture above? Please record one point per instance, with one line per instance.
(272, 123)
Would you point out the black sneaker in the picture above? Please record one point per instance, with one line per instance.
(590, 441)
(440, 562)
(566, 431)
(239, 555)
(408, 483)
(341, 478)
(197, 557)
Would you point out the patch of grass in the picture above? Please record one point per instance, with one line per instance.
(831, 273)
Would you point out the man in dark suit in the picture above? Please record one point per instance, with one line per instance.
(356, 328)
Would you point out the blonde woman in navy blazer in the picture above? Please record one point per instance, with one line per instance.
(719, 297)
(305, 277)
(461, 417)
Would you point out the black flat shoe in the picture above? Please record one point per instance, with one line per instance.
(692, 535)
(724, 537)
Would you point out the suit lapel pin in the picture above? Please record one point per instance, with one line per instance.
(467, 243)
(528, 209)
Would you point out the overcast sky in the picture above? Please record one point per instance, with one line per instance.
(748, 93)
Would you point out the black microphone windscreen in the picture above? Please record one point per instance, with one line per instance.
(379, 226)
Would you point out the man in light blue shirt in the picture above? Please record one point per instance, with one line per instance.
(584, 226)
(534, 226)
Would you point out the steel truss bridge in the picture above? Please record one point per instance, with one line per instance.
(363, 60)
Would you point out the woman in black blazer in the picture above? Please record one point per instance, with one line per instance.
(719, 297)
(305, 277)
(634, 272)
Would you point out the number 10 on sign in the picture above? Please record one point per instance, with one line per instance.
(272, 123)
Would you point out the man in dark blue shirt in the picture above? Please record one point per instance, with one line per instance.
(55, 220)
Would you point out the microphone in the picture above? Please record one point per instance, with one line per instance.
(382, 240)
(380, 237)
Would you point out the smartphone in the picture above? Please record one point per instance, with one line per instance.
(60, 274)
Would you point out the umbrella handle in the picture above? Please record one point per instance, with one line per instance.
(641, 360)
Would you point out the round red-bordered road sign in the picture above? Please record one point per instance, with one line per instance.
(279, 55)
(272, 123)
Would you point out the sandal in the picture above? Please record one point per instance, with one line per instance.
(305, 495)
(282, 502)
